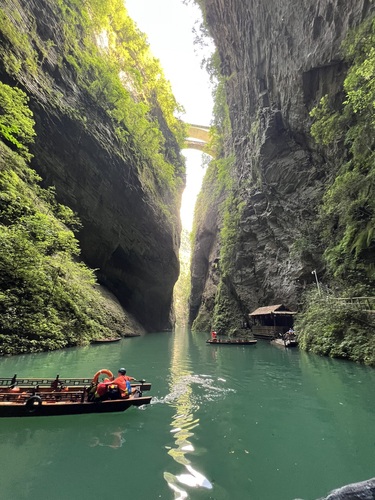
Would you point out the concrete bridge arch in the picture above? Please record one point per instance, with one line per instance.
(198, 137)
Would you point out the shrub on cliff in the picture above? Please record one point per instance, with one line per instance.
(98, 48)
(333, 327)
(348, 215)
(48, 300)
(16, 122)
(347, 219)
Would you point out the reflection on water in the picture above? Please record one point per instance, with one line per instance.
(111, 439)
(182, 398)
(56, 448)
(260, 424)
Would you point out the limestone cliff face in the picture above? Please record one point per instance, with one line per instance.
(125, 235)
(279, 57)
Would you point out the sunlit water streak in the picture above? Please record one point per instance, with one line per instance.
(184, 399)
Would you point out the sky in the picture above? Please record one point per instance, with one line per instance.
(168, 25)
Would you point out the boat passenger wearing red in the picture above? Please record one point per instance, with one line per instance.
(122, 381)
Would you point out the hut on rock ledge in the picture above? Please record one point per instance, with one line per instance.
(267, 322)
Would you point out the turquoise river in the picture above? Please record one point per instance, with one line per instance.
(226, 423)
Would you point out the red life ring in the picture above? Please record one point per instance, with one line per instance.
(102, 372)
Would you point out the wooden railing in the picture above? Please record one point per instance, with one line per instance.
(57, 383)
(366, 304)
(43, 382)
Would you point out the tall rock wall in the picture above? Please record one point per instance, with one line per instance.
(125, 235)
(279, 58)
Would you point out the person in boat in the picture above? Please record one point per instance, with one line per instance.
(214, 336)
(57, 385)
(290, 334)
(119, 387)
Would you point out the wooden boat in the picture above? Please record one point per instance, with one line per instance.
(48, 404)
(115, 339)
(232, 342)
(25, 397)
(105, 341)
(59, 384)
(285, 343)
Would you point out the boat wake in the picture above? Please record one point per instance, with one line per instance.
(207, 389)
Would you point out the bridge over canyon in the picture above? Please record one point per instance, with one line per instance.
(198, 137)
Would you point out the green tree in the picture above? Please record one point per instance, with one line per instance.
(16, 119)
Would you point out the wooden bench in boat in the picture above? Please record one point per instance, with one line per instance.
(21, 397)
(46, 397)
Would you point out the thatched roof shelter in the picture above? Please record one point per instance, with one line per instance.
(269, 320)
(277, 309)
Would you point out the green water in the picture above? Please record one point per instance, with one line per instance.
(244, 422)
